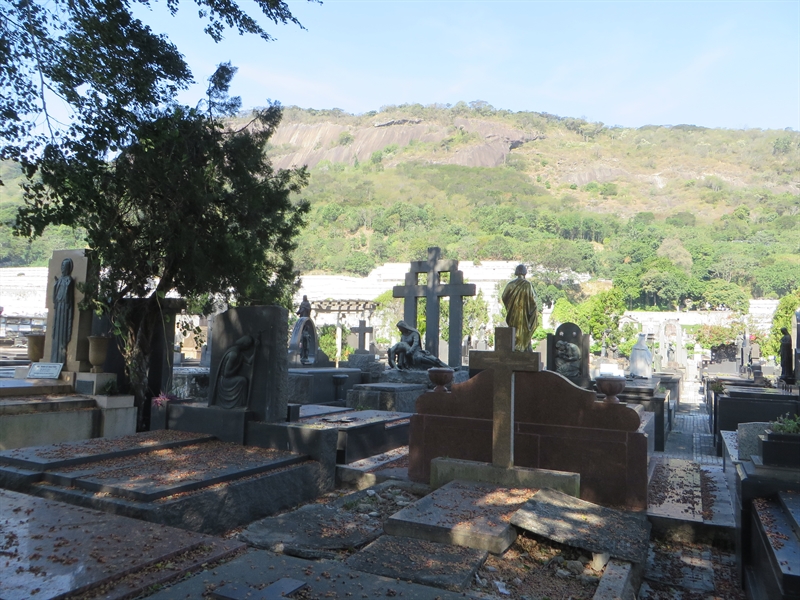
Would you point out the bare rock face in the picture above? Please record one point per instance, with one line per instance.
(296, 144)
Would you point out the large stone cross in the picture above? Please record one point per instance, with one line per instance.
(505, 362)
(362, 330)
(433, 291)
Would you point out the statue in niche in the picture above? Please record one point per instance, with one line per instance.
(787, 368)
(63, 311)
(521, 312)
(232, 384)
(408, 354)
(305, 308)
(568, 359)
(305, 345)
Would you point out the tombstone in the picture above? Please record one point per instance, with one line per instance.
(249, 362)
(362, 330)
(433, 291)
(303, 343)
(79, 327)
(568, 354)
(537, 420)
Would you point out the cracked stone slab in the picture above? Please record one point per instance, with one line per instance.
(574, 522)
(471, 514)
(429, 563)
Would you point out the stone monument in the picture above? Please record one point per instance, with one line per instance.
(433, 290)
(249, 361)
(641, 360)
(568, 354)
(521, 310)
(68, 327)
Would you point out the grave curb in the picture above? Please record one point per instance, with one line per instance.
(620, 581)
(445, 470)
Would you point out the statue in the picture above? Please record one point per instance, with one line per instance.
(568, 359)
(305, 308)
(63, 310)
(787, 368)
(521, 313)
(408, 352)
(231, 389)
(641, 360)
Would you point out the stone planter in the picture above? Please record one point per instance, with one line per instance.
(780, 449)
(35, 347)
(610, 386)
(440, 377)
(98, 350)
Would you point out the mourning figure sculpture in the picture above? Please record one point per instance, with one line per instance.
(232, 384)
(787, 366)
(521, 312)
(568, 359)
(304, 310)
(63, 311)
(408, 354)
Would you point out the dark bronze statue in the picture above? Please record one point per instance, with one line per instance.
(63, 311)
(520, 302)
(408, 354)
(305, 308)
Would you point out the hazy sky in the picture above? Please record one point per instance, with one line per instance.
(716, 64)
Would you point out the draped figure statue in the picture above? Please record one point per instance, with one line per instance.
(521, 312)
(408, 353)
(232, 385)
(63, 311)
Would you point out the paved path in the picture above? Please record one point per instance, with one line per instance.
(690, 438)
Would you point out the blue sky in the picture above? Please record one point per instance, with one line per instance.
(715, 64)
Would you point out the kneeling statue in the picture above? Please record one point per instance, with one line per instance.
(408, 352)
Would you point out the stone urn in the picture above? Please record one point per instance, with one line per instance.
(35, 346)
(98, 350)
(440, 377)
(610, 386)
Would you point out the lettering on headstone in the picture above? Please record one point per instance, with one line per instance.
(45, 370)
(433, 291)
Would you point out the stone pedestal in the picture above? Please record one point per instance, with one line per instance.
(94, 383)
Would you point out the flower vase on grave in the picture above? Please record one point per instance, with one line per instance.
(98, 350)
(35, 346)
(641, 360)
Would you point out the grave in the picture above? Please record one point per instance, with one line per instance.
(385, 396)
(568, 354)
(557, 426)
(361, 433)
(188, 480)
(644, 392)
(433, 290)
(463, 513)
(52, 549)
(303, 343)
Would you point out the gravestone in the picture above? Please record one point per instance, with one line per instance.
(251, 374)
(568, 354)
(433, 290)
(362, 330)
(80, 327)
(505, 362)
(303, 343)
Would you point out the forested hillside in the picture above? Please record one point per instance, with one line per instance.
(673, 214)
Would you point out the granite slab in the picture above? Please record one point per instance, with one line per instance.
(574, 522)
(471, 514)
(429, 563)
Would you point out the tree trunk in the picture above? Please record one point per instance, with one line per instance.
(141, 322)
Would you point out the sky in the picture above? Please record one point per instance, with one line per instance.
(713, 64)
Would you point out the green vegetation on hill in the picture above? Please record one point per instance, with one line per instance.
(679, 215)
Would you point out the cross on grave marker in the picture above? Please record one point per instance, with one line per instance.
(362, 330)
(505, 362)
(433, 291)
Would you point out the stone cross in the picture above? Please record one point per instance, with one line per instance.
(362, 330)
(433, 291)
(505, 362)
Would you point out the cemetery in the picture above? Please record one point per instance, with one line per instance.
(267, 469)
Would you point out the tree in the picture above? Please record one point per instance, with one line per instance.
(112, 71)
(189, 206)
(782, 318)
(722, 294)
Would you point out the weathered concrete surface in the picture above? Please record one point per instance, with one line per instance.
(420, 561)
(445, 470)
(568, 520)
(462, 513)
